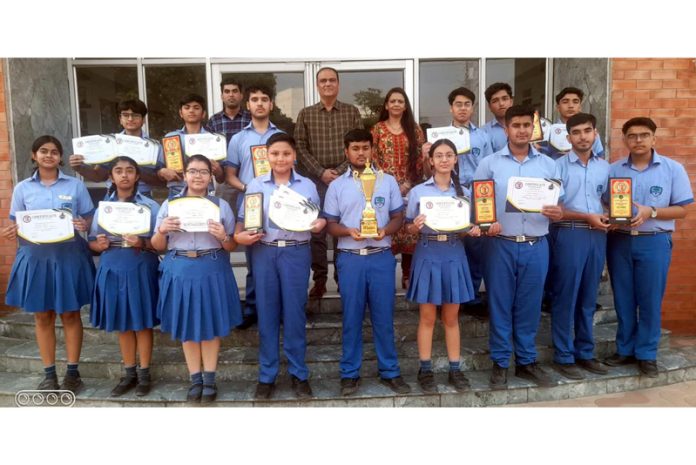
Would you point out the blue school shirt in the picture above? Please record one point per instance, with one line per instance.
(548, 150)
(496, 134)
(266, 185)
(140, 199)
(176, 187)
(500, 167)
(584, 186)
(197, 240)
(239, 150)
(427, 189)
(480, 148)
(663, 183)
(345, 201)
(66, 192)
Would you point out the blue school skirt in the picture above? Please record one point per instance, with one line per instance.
(199, 299)
(58, 277)
(440, 273)
(125, 291)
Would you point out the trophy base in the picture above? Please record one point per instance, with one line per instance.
(484, 227)
(619, 220)
(368, 229)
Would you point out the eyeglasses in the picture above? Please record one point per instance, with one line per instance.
(131, 116)
(641, 136)
(195, 172)
(443, 156)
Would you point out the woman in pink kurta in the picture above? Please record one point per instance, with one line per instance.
(397, 141)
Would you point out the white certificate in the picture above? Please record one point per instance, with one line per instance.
(96, 149)
(121, 218)
(209, 144)
(45, 226)
(528, 195)
(558, 138)
(194, 213)
(290, 211)
(143, 151)
(458, 136)
(446, 213)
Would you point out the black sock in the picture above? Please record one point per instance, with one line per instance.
(50, 372)
(72, 370)
(196, 378)
(208, 378)
(130, 372)
(144, 374)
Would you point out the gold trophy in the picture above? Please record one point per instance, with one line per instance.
(368, 222)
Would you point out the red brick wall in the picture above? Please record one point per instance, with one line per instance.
(664, 90)
(7, 249)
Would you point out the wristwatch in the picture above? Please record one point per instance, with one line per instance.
(653, 213)
(227, 238)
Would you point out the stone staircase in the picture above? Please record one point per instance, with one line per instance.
(100, 364)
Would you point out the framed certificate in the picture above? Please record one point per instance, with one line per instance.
(620, 200)
(459, 136)
(209, 144)
(95, 149)
(529, 195)
(259, 160)
(45, 226)
(483, 192)
(173, 155)
(446, 213)
(292, 213)
(143, 151)
(121, 218)
(194, 213)
(253, 212)
(558, 138)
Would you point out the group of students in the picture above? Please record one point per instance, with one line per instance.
(192, 295)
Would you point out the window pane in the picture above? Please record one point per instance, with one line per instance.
(99, 89)
(166, 85)
(367, 89)
(437, 79)
(526, 76)
(289, 94)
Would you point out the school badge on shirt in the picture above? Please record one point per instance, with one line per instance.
(656, 191)
(379, 202)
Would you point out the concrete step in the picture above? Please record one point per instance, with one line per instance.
(241, 363)
(675, 366)
(322, 328)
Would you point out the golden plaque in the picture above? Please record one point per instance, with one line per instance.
(259, 160)
(620, 200)
(368, 222)
(173, 155)
(537, 132)
(484, 203)
(253, 212)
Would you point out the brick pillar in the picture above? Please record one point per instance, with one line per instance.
(665, 90)
(7, 249)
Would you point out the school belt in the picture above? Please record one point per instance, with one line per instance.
(530, 239)
(195, 253)
(439, 237)
(281, 243)
(633, 232)
(365, 251)
(572, 225)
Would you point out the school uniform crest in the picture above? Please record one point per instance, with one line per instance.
(475, 151)
(599, 188)
(379, 202)
(656, 191)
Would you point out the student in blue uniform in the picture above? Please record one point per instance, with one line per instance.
(192, 112)
(440, 274)
(281, 261)
(499, 99)
(638, 255)
(131, 116)
(199, 301)
(579, 245)
(53, 279)
(516, 254)
(366, 266)
(126, 288)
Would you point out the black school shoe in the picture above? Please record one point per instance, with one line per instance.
(302, 389)
(535, 374)
(617, 360)
(426, 381)
(648, 368)
(264, 391)
(72, 383)
(194, 393)
(498, 379)
(398, 385)
(349, 386)
(457, 380)
(209, 393)
(593, 366)
(125, 385)
(49, 383)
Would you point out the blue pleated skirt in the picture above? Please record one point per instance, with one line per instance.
(125, 291)
(58, 277)
(440, 273)
(199, 299)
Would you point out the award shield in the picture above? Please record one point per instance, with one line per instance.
(620, 200)
(484, 203)
(367, 180)
(173, 155)
(253, 212)
(259, 160)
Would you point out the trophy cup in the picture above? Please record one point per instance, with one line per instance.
(368, 222)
